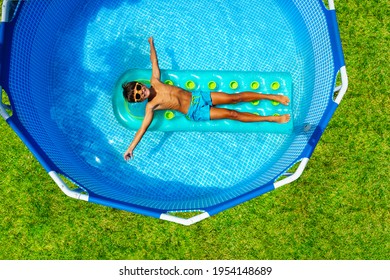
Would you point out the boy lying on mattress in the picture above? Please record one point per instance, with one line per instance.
(197, 105)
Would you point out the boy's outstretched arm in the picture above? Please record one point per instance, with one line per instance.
(149, 113)
(153, 59)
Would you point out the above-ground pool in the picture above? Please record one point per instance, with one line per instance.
(60, 62)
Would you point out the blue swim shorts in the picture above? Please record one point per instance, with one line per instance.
(199, 109)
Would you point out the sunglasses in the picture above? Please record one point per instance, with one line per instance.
(137, 92)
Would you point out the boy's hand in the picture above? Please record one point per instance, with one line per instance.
(128, 154)
(150, 40)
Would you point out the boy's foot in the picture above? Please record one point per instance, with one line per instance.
(282, 99)
(283, 118)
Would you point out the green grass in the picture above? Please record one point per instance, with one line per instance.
(338, 209)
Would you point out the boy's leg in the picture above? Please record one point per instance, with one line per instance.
(220, 113)
(246, 96)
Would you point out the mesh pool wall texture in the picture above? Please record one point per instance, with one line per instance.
(70, 54)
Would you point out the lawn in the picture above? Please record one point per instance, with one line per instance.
(338, 209)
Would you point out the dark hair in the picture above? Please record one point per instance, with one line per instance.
(128, 91)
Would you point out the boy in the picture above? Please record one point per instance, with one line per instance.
(198, 106)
